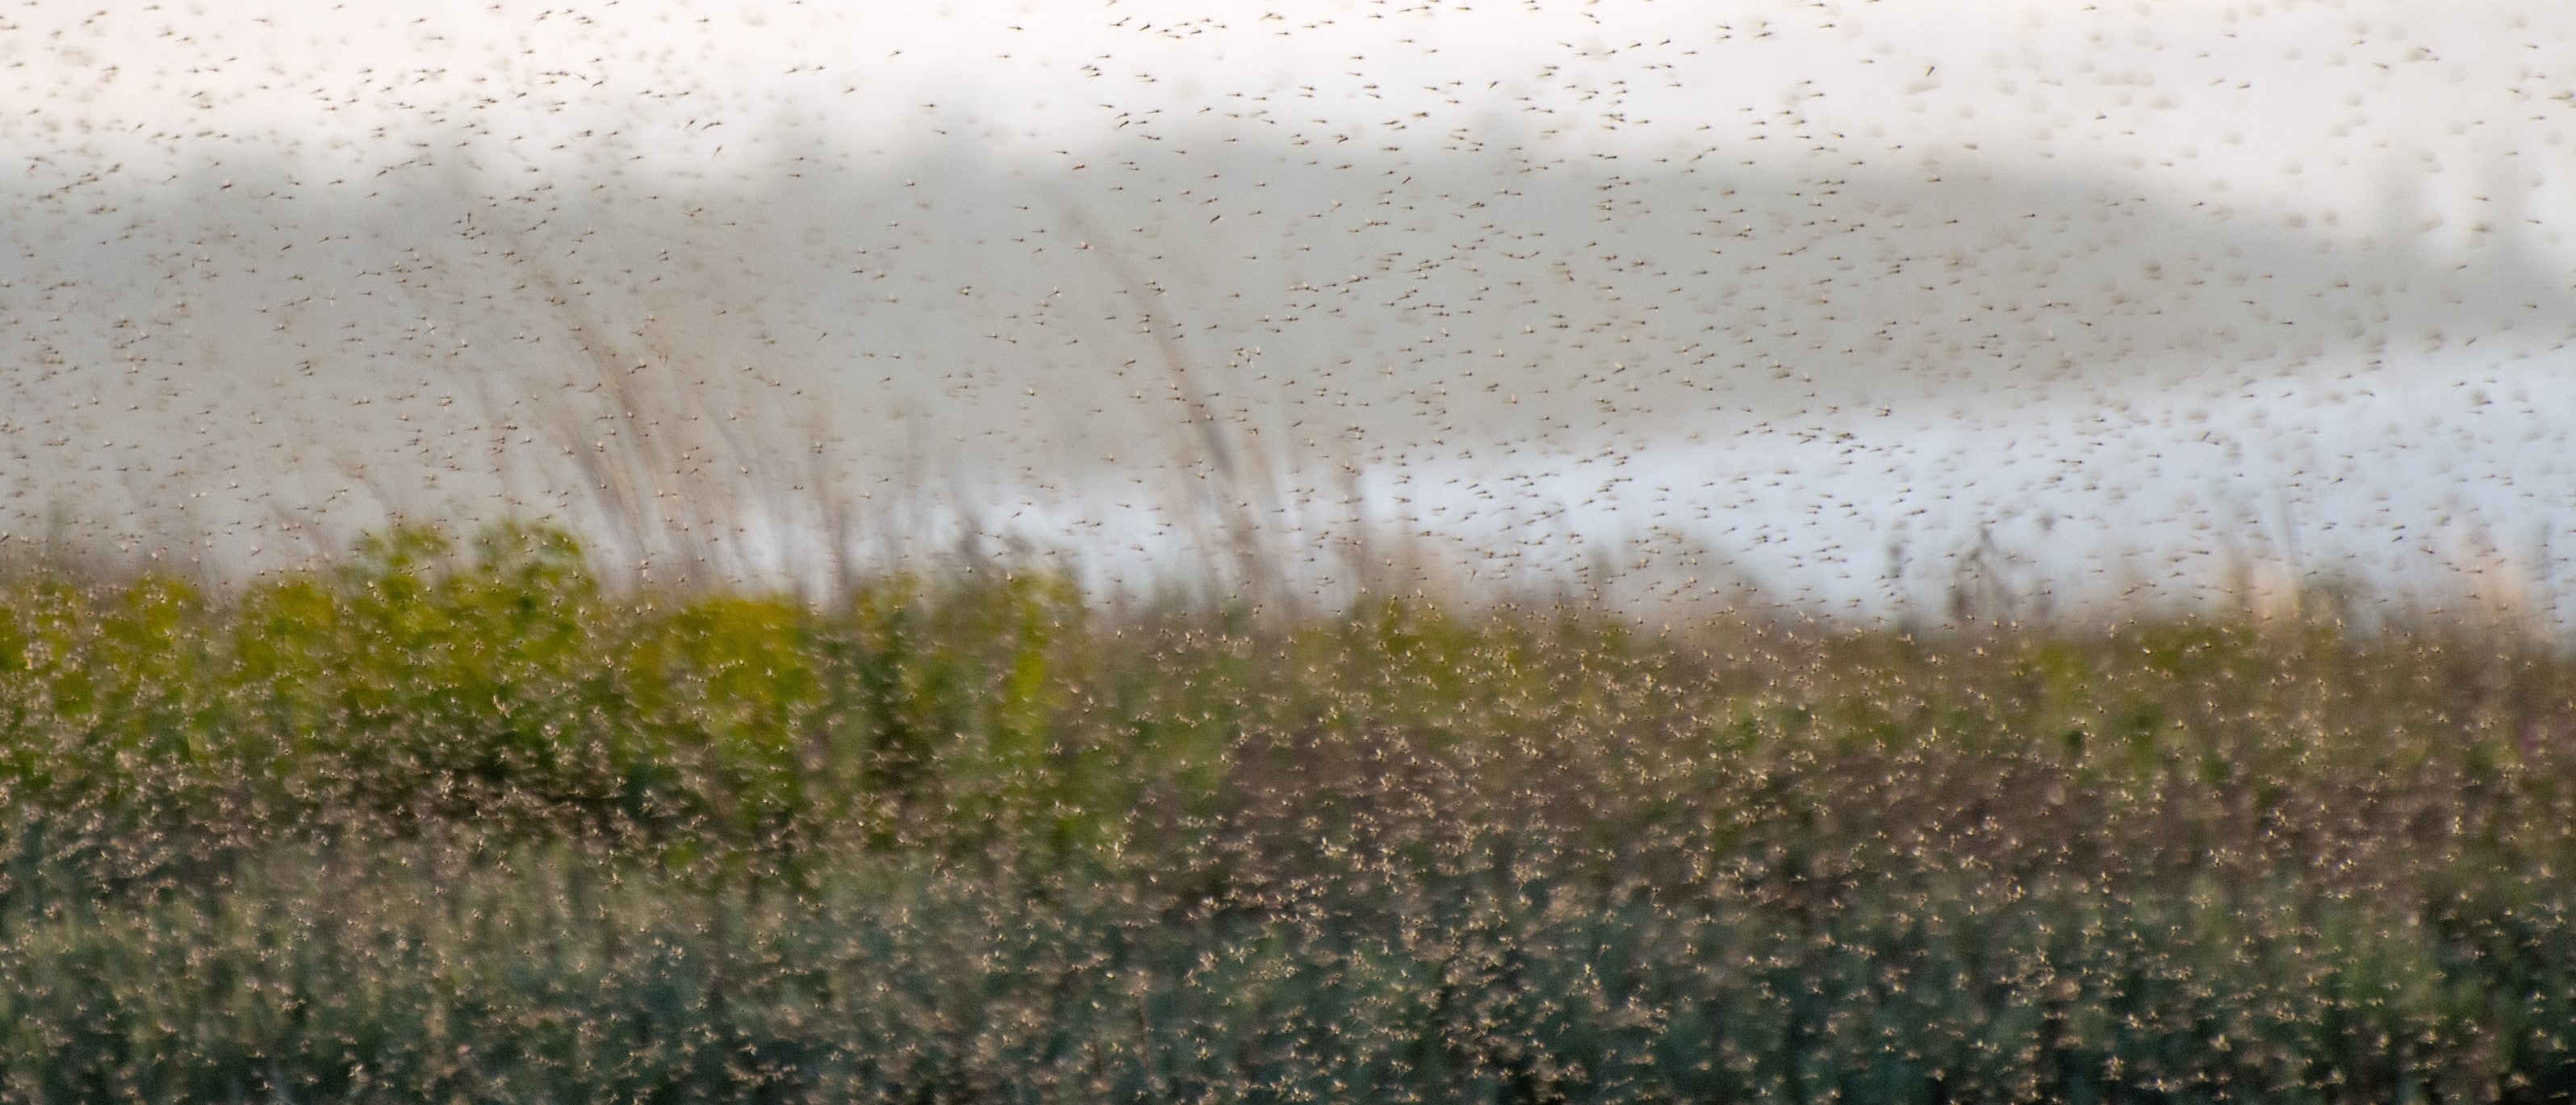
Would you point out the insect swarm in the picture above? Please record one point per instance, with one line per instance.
(1137, 552)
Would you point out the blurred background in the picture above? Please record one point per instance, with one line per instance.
(1879, 312)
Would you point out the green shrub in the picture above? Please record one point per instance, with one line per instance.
(454, 820)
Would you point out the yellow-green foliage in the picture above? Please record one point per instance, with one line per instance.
(452, 820)
(495, 681)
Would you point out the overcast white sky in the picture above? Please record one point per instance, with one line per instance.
(2305, 105)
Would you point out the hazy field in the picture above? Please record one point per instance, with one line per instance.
(2122, 294)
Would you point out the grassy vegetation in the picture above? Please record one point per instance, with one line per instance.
(458, 823)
